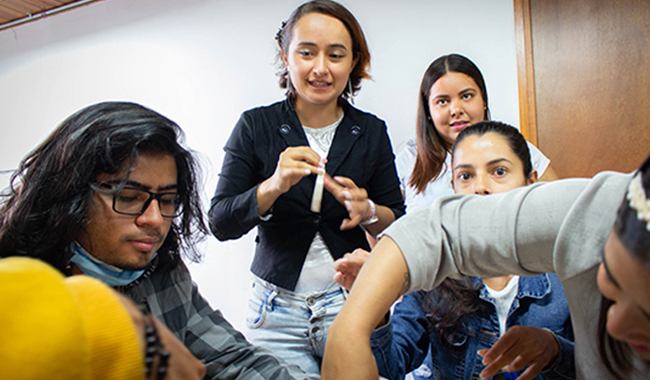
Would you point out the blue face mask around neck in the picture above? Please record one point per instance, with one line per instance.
(106, 273)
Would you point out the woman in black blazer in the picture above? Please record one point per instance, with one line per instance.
(270, 172)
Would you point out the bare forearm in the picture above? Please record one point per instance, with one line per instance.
(351, 360)
(385, 216)
(383, 278)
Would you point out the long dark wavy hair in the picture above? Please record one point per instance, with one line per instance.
(46, 206)
(432, 148)
(359, 45)
(455, 300)
(635, 237)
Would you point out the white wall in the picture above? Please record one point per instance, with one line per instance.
(201, 63)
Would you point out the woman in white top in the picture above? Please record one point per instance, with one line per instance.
(452, 97)
(279, 159)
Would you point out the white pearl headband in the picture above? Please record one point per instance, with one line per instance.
(638, 201)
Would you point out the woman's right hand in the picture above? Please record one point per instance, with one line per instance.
(294, 163)
(347, 267)
(521, 347)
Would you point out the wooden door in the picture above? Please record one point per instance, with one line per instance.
(584, 82)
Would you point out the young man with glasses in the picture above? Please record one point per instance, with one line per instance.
(111, 193)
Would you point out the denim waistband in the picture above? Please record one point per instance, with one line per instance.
(298, 296)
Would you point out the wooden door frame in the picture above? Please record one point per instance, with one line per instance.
(525, 70)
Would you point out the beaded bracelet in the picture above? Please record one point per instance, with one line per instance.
(154, 347)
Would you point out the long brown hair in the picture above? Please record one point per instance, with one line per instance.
(432, 148)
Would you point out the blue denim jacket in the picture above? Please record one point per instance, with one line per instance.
(402, 345)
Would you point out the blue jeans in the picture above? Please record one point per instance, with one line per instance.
(294, 326)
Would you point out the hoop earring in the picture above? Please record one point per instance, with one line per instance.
(351, 94)
(289, 92)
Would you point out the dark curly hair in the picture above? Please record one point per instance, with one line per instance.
(46, 206)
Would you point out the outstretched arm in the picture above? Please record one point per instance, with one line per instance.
(383, 278)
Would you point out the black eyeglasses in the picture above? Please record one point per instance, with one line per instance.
(131, 201)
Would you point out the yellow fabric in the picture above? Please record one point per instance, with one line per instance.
(115, 352)
(57, 328)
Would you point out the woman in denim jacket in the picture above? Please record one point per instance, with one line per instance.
(460, 318)
(401, 345)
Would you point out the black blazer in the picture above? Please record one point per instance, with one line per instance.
(361, 150)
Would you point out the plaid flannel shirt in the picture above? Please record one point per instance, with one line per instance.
(174, 299)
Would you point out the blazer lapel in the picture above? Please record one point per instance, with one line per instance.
(346, 135)
(290, 130)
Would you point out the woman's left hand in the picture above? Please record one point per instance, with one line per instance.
(519, 347)
(347, 267)
(355, 200)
